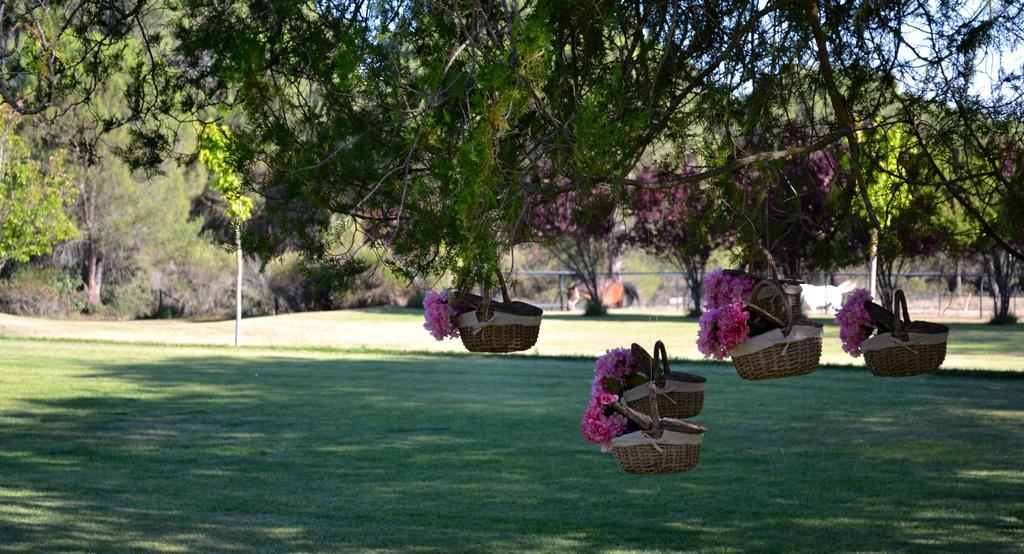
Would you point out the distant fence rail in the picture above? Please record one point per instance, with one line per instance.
(931, 293)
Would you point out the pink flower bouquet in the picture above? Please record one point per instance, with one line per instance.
(855, 324)
(600, 425)
(599, 428)
(440, 315)
(723, 287)
(722, 329)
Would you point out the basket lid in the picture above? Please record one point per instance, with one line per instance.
(885, 319)
(927, 328)
(646, 362)
(472, 302)
(685, 377)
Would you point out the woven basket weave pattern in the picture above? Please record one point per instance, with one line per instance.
(500, 338)
(909, 359)
(675, 405)
(644, 459)
(788, 359)
(801, 358)
(904, 362)
(777, 305)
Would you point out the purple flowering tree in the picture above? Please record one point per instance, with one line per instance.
(677, 224)
(578, 229)
(798, 209)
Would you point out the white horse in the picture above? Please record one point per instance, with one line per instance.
(823, 297)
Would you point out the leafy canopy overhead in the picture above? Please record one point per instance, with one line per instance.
(444, 123)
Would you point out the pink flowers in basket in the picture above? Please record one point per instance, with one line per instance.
(722, 288)
(722, 329)
(599, 428)
(600, 425)
(725, 325)
(612, 368)
(440, 315)
(855, 324)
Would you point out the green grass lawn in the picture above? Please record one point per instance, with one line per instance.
(112, 447)
(972, 345)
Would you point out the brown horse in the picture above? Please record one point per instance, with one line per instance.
(614, 294)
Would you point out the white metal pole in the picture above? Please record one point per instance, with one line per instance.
(238, 283)
(874, 263)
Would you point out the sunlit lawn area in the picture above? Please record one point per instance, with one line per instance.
(972, 345)
(109, 447)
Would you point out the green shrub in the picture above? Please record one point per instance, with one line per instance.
(415, 300)
(595, 309)
(1008, 319)
(132, 299)
(38, 291)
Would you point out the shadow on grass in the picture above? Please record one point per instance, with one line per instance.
(469, 453)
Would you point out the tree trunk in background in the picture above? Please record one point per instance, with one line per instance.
(1000, 268)
(694, 270)
(92, 272)
(887, 280)
(586, 257)
(615, 261)
(92, 257)
(873, 264)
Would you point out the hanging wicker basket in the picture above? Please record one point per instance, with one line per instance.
(505, 326)
(679, 395)
(775, 301)
(662, 445)
(909, 347)
(794, 349)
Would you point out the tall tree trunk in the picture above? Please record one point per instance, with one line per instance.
(92, 257)
(694, 270)
(92, 272)
(1000, 269)
(586, 257)
(887, 280)
(873, 263)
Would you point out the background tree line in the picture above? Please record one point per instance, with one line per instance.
(828, 132)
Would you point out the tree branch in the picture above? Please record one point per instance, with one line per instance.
(840, 108)
(955, 191)
(739, 163)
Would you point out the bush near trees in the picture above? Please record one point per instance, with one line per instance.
(34, 200)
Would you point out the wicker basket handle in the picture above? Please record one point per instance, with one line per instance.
(487, 294)
(665, 370)
(899, 325)
(642, 359)
(643, 420)
(786, 325)
(772, 268)
(653, 395)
